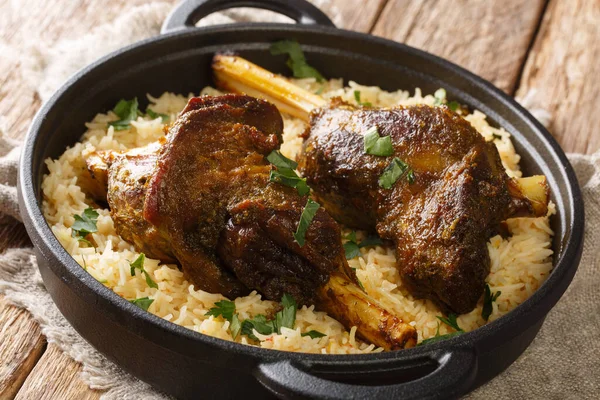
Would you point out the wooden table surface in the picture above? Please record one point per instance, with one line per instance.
(547, 49)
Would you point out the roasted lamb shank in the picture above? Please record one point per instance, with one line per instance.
(202, 197)
(450, 197)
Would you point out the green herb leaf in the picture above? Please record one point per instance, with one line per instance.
(296, 61)
(139, 264)
(286, 318)
(352, 250)
(451, 322)
(320, 90)
(127, 111)
(86, 222)
(453, 105)
(143, 302)
(438, 338)
(395, 171)
(259, 323)
(440, 97)
(488, 299)
(281, 161)
(164, 117)
(236, 326)
(309, 212)
(288, 177)
(371, 241)
(376, 145)
(225, 308)
(360, 103)
(314, 334)
(351, 236)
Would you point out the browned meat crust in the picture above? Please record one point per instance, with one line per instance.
(440, 223)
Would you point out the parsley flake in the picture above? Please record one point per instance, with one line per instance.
(224, 308)
(451, 322)
(313, 334)
(395, 171)
(143, 302)
(85, 224)
(488, 299)
(352, 247)
(296, 59)
(285, 173)
(127, 111)
(139, 264)
(309, 212)
(163, 117)
(360, 103)
(439, 337)
(235, 326)
(376, 145)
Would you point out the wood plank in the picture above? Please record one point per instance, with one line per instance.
(489, 38)
(562, 73)
(21, 345)
(56, 376)
(355, 15)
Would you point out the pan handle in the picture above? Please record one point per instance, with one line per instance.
(188, 12)
(454, 375)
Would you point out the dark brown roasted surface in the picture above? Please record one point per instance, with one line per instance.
(440, 224)
(203, 197)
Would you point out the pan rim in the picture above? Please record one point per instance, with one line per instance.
(547, 293)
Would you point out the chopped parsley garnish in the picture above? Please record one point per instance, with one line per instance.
(225, 308)
(496, 136)
(127, 111)
(84, 224)
(376, 145)
(451, 322)
(395, 171)
(309, 212)
(314, 334)
(235, 326)
(280, 161)
(288, 177)
(439, 97)
(296, 60)
(143, 302)
(488, 299)
(258, 323)
(352, 247)
(360, 103)
(286, 318)
(139, 264)
(453, 105)
(285, 173)
(164, 117)
(439, 337)
(320, 90)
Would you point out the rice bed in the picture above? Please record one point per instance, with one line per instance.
(519, 263)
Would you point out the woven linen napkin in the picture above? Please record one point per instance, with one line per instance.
(563, 362)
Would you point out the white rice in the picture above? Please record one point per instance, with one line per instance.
(520, 263)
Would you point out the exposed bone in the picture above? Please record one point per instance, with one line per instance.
(236, 74)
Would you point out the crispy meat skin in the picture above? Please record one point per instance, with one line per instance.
(441, 223)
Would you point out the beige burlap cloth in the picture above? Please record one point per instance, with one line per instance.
(562, 363)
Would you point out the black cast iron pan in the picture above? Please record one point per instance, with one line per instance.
(191, 365)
